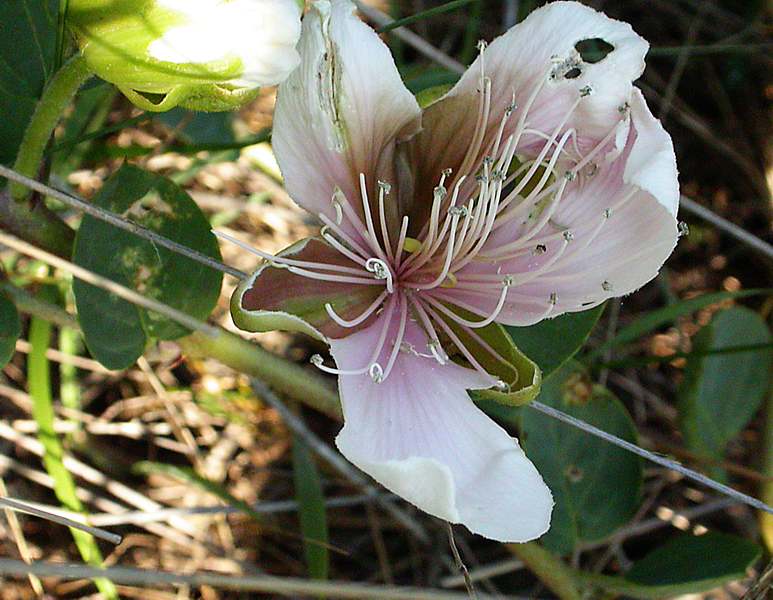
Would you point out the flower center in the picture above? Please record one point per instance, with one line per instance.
(497, 210)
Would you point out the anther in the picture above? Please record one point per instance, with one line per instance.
(502, 386)
(488, 160)
(568, 235)
(337, 206)
(624, 108)
(458, 211)
(439, 192)
(606, 286)
(317, 360)
(447, 172)
(380, 270)
(385, 187)
(376, 373)
(540, 249)
(591, 170)
(437, 352)
(683, 229)
(553, 298)
(508, 281)
(607, 213)
(482, 44)
(570, 175)
(585, 91)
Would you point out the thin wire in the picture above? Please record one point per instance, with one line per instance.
(283, 586)
(23, 507)
(651, 456)
(109, 285)
(120, 222)
(732, 229)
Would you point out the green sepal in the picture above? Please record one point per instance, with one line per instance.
(521, 375)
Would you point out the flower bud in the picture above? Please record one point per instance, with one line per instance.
(208, 55)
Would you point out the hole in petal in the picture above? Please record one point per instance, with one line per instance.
(573, 73)
(593, 50)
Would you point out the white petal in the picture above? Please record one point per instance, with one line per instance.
(419, 434)
(261, 33)
(341, 111)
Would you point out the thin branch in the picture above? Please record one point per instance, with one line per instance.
(109, 285)
(739, 233)
(120, 222)
(651, 456)
(409, 37)
(285, 586)
(31, 510)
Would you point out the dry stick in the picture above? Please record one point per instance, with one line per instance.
(335, 459)
(21, 542)
(118, 221)
(107, 284)
(93, 476)
(285, 586)
(19, 506)
(411, 38)
(140, 517)
(651, 456)
(100, 502)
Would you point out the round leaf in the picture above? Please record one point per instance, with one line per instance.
(116, 332)
(581, 469)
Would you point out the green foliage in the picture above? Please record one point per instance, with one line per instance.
(38, 375)
(10, 329)
(581, 469)
(311, 507)
(199, 127)
(722, 392)
(115, 331)
(687, 564)
(669, 314)
(552, 342)
(28, 31)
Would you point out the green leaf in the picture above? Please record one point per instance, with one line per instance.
(720, 393)
(580, 469)
(687, 564)
(552, 342)
(200, 127)
(668, 314)
(311, 505)
(115, 331)
(28, 30)
(39, 377)
(10, 329)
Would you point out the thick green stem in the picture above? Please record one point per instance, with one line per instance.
(292, 379)
(550, 569)
(56, 98)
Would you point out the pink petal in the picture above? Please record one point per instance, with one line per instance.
(339, 113)
(419, 434)
(516, 63)
(629, 246)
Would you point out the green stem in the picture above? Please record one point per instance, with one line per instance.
(550, 569)
(292, 379)
(56, 98)
(766, 519)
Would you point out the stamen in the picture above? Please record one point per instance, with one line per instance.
(398, 340)
(380, 270)
(376, 373)
(434, 345)
(337, 205)
(474, 324)
(362, 318)
(371, 238)
(383, 190)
